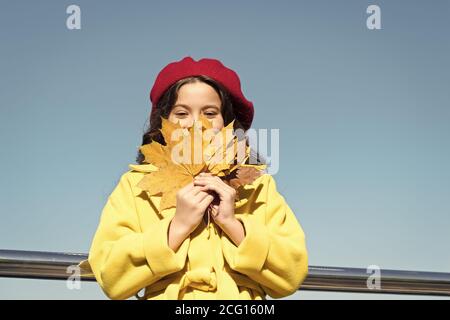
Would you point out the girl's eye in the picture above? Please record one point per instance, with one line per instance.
(181, 114)
(211, 114)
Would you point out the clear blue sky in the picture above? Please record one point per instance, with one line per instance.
(363, 117)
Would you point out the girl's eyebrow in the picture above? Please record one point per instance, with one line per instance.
(181, 105)
(204, 107)
(211, 106)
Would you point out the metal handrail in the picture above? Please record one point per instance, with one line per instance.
(54, 265)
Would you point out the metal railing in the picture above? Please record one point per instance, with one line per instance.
(52, 265)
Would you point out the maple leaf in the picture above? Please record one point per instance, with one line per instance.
(202, 149)
(245, 174)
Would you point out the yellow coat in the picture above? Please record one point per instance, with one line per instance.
(130, 252)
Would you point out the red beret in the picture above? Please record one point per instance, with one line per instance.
(212, 68)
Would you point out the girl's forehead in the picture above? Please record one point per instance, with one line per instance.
(198, 98)
(197, 89)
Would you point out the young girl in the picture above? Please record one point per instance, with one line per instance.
(253, 247)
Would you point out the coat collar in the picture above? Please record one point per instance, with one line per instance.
(143, 167)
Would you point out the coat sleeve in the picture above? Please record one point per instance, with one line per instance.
(122, 257)
(273, 253)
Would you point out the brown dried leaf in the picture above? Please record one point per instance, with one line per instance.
(244, 175)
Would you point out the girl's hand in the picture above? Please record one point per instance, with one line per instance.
(192, 203)
(222, 213)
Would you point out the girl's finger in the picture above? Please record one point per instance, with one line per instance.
(186, 188)
(214, 187)
(201, 187)
(205, 202)
(200, 196)
(205, 174)
(223, 184)
(195, 190)
(205, 179)
(212, 180)
(228, 191)
(214, 209)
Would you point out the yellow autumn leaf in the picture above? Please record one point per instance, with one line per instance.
(189, 151)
